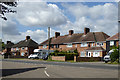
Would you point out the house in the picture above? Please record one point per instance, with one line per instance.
(112, 41)
(88, 44)
(7, 49)
(24, 47)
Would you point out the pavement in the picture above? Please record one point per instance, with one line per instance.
(44, 69)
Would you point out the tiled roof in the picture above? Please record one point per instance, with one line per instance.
(26, 43)
(95, 48)
(79, 37)
(114, 37)
(9, 45)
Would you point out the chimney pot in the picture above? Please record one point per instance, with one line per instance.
(27, 37)
(71, 32)
(86, 30)
(8, 42)
(57, 34)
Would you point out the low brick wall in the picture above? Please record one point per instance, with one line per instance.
(59, 58)
(87, 59)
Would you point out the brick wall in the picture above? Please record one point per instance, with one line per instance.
(59, 58)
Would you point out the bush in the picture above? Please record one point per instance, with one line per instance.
(115, 55)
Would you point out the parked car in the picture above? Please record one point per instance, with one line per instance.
(107, 57)
(40, 54)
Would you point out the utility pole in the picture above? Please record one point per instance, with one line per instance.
(48, 40)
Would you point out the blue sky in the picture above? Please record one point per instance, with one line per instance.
(34, 18)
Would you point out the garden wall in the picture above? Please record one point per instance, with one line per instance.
(59, 58)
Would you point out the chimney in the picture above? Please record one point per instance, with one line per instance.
(71, 32)
(8, 42)
(86, 30)
(27, 37)
(57, 34)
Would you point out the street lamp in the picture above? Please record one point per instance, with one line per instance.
(48, 40)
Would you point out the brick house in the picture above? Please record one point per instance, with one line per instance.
(112, 41)
(24, 47)
(88, 44)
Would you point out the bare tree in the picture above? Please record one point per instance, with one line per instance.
(5, 7)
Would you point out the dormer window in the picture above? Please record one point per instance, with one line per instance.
(17, 48)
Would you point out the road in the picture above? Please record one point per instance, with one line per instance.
(44, 69)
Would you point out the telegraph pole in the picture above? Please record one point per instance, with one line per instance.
(48, 40)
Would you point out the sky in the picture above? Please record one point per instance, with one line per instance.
(33, 18)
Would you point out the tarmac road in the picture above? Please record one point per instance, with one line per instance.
(44, 69)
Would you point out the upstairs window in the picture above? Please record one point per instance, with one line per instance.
(44, 46)
(17, 48)
(96, 54)
(111, 43)
(99, 44)
(52, 46)
(57, 46)
(69, 45)
(83, 44)
(22, 48)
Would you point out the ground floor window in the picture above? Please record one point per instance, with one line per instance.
(82, 54)
(22, 54)
(88, 54)
(96, 54)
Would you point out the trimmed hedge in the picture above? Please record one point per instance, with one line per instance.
(69, 55)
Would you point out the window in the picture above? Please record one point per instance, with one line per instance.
(82, 54)
(88, 54)
(26, 48)
(52, 46)
(83, 44)
(76, 45)
(12, 49)
(99, 44)
(111, 43)
(17, 48)
(22, 48)
(57, 46)
(96, 54)
(69, 45)
(44, 46)
(22, 54)
(92, 44)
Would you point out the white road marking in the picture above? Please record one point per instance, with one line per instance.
(81, 67)
(45, 68)
(47, 74)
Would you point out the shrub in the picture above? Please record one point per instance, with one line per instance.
(115, 55)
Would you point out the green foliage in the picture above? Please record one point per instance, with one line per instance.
(68, 54)
(115, 55)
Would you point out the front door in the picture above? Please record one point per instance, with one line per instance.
(89, 54)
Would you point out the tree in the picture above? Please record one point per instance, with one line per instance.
(4, 7)
(115, 55)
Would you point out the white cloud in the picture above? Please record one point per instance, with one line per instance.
(38, 36)
(97, 18)
(39, 14)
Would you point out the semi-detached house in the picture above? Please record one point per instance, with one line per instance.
(88, 44)
(24, 47)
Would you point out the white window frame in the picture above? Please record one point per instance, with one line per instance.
(22, 48)
(82, 52)
(22, 55)
(26, 48)
(88, 54)
(69, 45)
(111, 43)
(17, 48)
(92, 44)
(84, 45)
(100, 43)
(75, 45)
(44, 46)
(94, 54)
